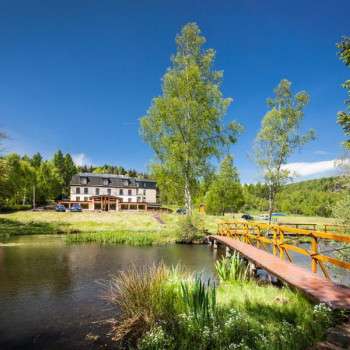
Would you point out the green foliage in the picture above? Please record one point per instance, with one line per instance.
(128, 237)
(225, 192)
(190, 228)
(311, 197)
(279, 136)
(199, 299)
(184, 125)
(231, 269)
(169, 309)
(344, 116)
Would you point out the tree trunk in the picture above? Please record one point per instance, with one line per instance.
(271, 199)
(188, 198)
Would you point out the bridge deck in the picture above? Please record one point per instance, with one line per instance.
(316, 287)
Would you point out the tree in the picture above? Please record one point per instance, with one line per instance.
(280, 136)
(344, 117)
(184, 125)
(69, 170)
(225, 192)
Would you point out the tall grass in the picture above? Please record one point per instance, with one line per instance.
(133, 238)
(200, 299)
(168, 309)
(233, 268)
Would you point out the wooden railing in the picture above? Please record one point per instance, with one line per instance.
(283, 239)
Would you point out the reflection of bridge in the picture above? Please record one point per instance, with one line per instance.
(252, 241)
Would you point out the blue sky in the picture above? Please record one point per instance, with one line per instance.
(77, 75)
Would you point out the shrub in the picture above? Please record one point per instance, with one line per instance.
(144, 296)
(190, 228)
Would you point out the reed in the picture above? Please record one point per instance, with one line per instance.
(233, 268)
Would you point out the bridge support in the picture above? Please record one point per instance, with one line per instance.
(228, 252)
(215, 244)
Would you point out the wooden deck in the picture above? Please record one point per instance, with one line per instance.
(314, 286)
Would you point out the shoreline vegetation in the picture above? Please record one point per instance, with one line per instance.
(168, 308)
(131, 228)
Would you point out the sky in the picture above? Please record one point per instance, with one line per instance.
(78, 75)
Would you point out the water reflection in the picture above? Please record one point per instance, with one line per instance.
(49, 292)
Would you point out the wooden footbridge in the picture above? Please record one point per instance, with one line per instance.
(269, 247)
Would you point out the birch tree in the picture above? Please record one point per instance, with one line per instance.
(280, 136)
(184, 125)
(344, 116)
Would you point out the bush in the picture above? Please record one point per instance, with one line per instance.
(14, 208)
(190, 228)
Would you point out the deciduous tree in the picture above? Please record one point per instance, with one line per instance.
(184, 125)
(280, 136)
(225, 192)
(344, 116)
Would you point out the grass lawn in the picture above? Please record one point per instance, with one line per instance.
(115, 226)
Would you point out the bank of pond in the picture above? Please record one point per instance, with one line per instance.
(59, 295)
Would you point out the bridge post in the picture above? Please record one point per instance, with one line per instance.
(252, 269)
(215, 244)
(228, 252)
(314, 251)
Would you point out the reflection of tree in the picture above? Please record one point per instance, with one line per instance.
(30, 266)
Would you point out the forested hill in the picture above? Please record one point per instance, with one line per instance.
(325, 184)
(310, 197)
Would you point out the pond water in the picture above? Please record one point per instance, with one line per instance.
(51, 294)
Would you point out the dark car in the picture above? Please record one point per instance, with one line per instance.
(181, 211)
(60, 207)
(247, 217)
(75, 208)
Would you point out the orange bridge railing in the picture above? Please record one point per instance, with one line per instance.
(284, 239)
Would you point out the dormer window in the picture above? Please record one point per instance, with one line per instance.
(105, 182)
(83, 180)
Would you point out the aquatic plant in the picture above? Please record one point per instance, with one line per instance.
(168, 309)
(233, 268)
(199, 298)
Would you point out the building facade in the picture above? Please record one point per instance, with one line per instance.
(112, 192)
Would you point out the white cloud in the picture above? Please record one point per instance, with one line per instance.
(311, 168)
(81, 159)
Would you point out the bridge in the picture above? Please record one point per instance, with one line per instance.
(269, 247)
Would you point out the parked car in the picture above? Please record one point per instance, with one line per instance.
(247, 217)
(60, 208)
(75, 208)
(278, 214)
(181, 211)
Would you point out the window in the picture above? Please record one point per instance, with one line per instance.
(129, 199)
(121, 192)
(109, 191)
(105, 182)
(83, 180)
(129, 192)
(138, 199)
(77, 190)
(97, 191)
(77, 199)
(86, 190)
(86, 199)
(144, 192)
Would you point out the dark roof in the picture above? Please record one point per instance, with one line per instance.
(113, 181)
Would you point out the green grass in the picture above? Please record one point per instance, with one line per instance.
(133, 238)
(171, 309)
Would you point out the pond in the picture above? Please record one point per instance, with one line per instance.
(51, 294)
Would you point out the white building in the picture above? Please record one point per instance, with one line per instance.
(112, 192)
